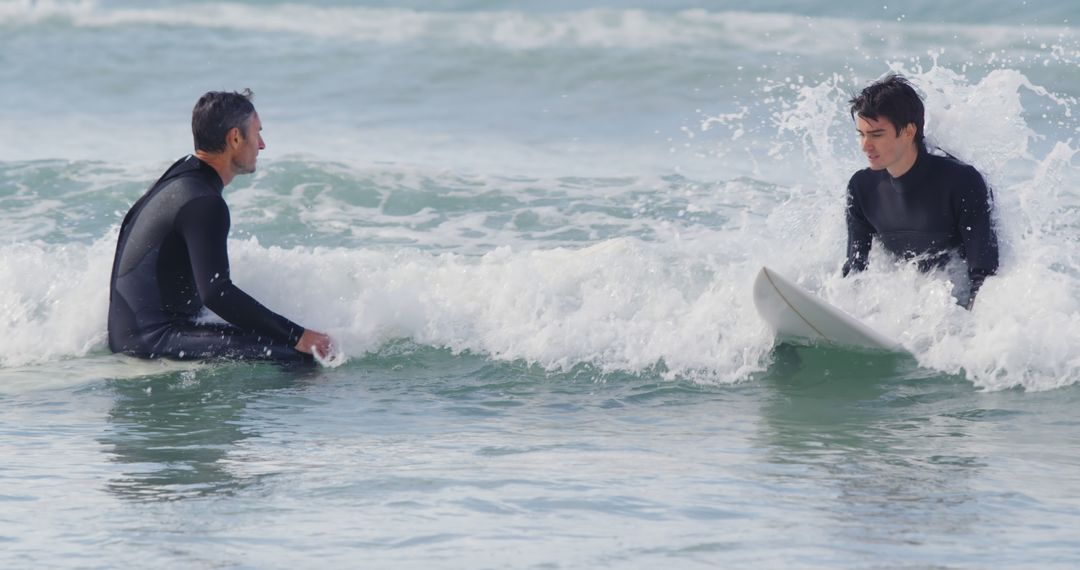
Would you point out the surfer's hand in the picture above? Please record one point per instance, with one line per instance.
(317, 343)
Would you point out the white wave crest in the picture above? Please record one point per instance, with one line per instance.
(589, 28)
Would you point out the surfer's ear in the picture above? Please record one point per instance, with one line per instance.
(234, 137)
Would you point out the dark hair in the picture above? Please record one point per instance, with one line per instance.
(895, 99)
(218, 112)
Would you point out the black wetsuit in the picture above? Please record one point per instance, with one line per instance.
(939, 207)
(171, 261)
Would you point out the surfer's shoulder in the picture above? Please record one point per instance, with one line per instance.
(865, 177)
(945, 163)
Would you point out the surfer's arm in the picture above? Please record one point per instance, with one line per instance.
(204, 224)
(976, 227)
(860, 234)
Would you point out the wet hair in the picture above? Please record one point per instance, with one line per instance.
(218, 112)
(894, 98)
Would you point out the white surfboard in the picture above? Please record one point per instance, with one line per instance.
(798, 315)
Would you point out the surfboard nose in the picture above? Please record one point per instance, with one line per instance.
(795, 313)
(778, 311)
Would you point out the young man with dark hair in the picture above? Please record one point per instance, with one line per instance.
(919, 205)
(171, 257)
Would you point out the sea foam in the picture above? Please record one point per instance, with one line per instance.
(637, 273)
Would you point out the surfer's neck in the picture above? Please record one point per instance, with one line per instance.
(906, 162)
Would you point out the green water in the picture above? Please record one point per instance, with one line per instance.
(417, 456)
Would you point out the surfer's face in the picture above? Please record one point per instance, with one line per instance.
(247, 150)
(883, 147)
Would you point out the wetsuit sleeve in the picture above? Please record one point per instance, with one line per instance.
(860, 233)
(204, 224)
(975, 225)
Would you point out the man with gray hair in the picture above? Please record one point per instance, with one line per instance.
(172, 258)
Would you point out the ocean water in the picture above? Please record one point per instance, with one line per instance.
(533, 227)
